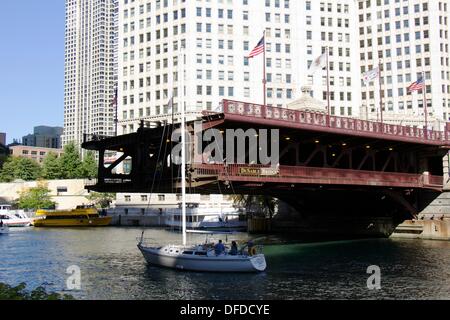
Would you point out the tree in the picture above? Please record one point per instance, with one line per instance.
(70, 162)
(20, 168)
(88, 167)
(51, 167)
(2, 160)
(261, 205)
(36, 198)
(7, 170)
(101, 200)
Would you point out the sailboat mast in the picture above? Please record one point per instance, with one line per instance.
(183, 144)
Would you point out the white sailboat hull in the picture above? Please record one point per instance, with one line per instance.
(224, 263)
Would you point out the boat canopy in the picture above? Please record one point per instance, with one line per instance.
(69, 213)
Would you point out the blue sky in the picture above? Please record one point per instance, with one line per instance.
(31, 65)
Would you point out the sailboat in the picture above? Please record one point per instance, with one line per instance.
(201, 258)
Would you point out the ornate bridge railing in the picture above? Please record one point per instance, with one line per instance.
(346, 125)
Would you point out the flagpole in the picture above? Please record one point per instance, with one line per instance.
(171, 142)
(381, 93)
(264, 70)
(328, 86)
(425, 105)
(116, 111)
(183, 144)
(367, 102)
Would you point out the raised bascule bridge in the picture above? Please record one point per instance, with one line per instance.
(335, 175)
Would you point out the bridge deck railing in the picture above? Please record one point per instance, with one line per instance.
(434, 180)
(321, 120)
(319, 175)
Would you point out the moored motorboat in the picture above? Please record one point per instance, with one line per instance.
(202, 217)
(13, 218)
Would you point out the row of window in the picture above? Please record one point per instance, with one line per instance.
(399, 25)
(368, 4)
(398, 38)
(328, 7)
(388, 66)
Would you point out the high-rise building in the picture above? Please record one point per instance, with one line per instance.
(90, 66)
(3, 138)
(407, 39)
(44, 137)
(217, 37)
(4, 151)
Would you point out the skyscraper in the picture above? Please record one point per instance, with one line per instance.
(407, 39)
(218, 36)
(3, 138)
(90, 68)
(44, 137)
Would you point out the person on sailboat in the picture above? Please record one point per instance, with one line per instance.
(251, 248)
(234, 249)
(219, 248)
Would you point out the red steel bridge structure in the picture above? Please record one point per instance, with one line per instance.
(329, 166)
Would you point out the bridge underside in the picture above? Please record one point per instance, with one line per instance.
(320, 173)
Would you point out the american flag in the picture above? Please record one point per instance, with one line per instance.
(258, 49)
(417, 86)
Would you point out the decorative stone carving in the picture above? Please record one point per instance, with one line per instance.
(307, 103)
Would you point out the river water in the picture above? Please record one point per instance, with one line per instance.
(113, 268)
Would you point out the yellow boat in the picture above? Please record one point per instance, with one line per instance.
(80, 217)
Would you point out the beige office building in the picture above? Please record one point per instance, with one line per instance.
(35, 153)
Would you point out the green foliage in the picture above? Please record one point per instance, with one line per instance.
(36, 198)
(20, 168)
(2, 160)
(88, 167)
(257, 205)
(70, 162)
(101, 200)
(51, 167)
(68, 166)
(8, 292)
